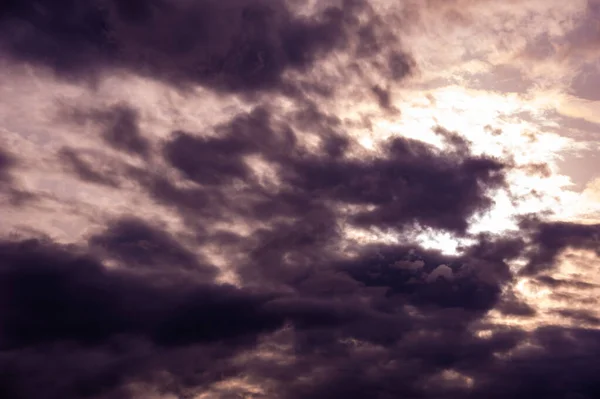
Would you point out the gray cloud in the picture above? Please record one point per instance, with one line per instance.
(138, 307)
(235, 47)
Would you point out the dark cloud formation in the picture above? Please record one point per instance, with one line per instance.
(410, 183)
(135, 243)
(118, 126)
(382, 95)
(122, 130)
(67, 306)
(53, 296)
(85, 170)
(232, 46)
(550, 239)
(9, 184)
(400, 65)
(138, 311)
(388, 321)
(392, 321)
(50, 294)
(426, 189)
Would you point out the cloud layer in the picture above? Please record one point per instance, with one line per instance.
(294, 199)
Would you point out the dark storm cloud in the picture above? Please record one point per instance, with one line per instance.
(217, 160)
(118, 126)
(52, 293)
(75, 329)
(549, 239)
(207, 161)
(564, 366)
(84, 170)
(162, 297)
(138, 244)
(14, 193)
(57, 297)
(410, 183)
(400, 65)
(120, 129)
(233, 46)
(355, 321)
(383, 324)
(382, 95)
(8, 184)
(418, 284)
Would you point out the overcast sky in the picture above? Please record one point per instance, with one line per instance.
(290, 199)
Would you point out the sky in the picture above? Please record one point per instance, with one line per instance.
(294, 199)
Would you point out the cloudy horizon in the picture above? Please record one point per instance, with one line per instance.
(299, 199)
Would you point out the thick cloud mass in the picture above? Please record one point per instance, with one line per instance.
(551, 238)
(237, 257)
(234, 46)
(51, 295)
